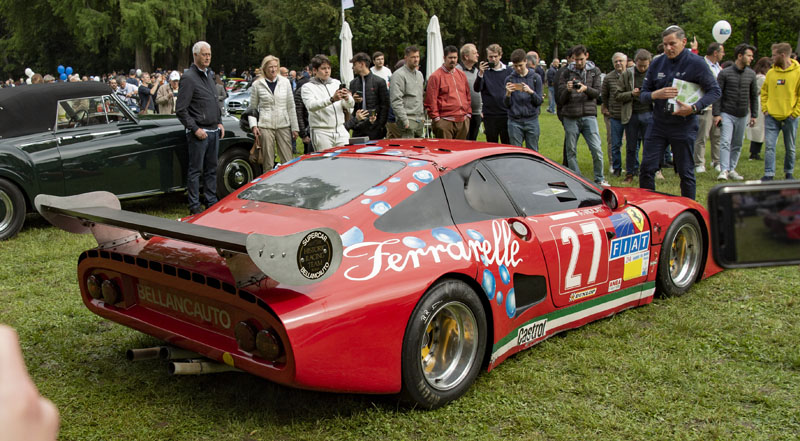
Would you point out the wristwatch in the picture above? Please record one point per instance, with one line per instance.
(694, 109)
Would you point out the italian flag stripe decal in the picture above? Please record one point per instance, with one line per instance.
(565, 316)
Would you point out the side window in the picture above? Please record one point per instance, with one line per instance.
(81, 112)
(538, 188)
(474, 194)
(114, 110)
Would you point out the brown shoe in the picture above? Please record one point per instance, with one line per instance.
(628, 179)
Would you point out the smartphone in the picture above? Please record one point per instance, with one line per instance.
(518, 86)
(342, 86)
(755, 224)
(371, 112)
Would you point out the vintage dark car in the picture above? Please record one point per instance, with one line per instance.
(70, 138)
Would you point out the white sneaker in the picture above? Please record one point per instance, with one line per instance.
(604, 183)
(699, 169)
(659, 175)
(723, 176)
(735, 176)
(717, 167)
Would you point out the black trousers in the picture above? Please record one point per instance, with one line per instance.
(496, 127)
(474, 126)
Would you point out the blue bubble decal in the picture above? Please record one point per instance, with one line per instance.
(423, 176)
(475, 235)
(393, 153)
(446, 235)
(412, 186)
(255, 180)
(369, 149)
(488, 284)
(511, 304)
(328, 155)
(343, 150)
(504, 276)
(417, 163)
(393, 180)
(499, 297)
(375, 191)
(366, 201)
(293, 161)
(413, 242)
(484, 260)
(380, 207)
(352, 237)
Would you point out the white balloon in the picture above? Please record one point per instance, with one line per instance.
(28, 81)
(29, 72)
(139, 71)
(721, 31)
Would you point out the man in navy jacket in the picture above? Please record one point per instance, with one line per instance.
(674, 125)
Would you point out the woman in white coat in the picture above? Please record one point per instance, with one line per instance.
(756, 133)
(328, 105)
(272, 95)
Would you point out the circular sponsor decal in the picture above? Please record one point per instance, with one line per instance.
(369, 149)
(314, 255)
(423, 176)
(375, 191)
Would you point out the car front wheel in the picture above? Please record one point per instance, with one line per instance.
(681, 256)
(12, 210)
(444, 344)
(234, 171)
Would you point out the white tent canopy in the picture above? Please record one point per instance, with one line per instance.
(435, 53)
(346, 54)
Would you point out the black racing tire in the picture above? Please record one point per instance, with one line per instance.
(12, 209)
(444, 345)
(682, 256)
(234, 170)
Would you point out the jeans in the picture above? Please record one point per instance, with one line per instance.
(586, 126)
(731, 136)
(771, 128)
(551, 90)
(524, 130)
(634, 132)
(202, 161)
(617, 129)
(496, 127)
(681, 137)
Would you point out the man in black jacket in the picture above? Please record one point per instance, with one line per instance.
(370, 94)
(198, 111)
(739, 100)
(579, 88)
(302, 113)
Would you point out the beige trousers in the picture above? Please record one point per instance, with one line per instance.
(706, 130)
(268, 138)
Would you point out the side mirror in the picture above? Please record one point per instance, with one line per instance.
(613, 198)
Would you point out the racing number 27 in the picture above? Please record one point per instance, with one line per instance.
(570, 237)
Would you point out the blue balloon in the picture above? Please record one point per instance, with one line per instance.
(60, 69)
(69, 70)
(63, 77)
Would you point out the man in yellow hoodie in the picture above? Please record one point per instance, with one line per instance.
(780, 102)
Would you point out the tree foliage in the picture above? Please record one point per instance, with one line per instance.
(99, 35)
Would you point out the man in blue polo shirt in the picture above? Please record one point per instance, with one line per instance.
(674, 125)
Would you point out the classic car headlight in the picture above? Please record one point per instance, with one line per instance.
(245, 103)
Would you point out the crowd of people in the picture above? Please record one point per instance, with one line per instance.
(467, 95)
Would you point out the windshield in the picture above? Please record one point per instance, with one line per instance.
(322, 183)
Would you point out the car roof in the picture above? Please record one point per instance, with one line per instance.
(31, 109)
(448, 153)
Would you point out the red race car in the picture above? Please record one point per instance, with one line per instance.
(400, 266)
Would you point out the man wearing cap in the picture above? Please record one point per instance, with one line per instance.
(198, 111)
(447, 98)
(370, 95)
(674, 124)
(167, 94)
(550, 80)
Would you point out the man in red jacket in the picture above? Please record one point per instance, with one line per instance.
(447, 99)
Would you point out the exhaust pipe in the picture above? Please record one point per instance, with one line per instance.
(144, 353)
(199, 367)
(173, 353)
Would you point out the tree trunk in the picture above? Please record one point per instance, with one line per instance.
(143, 61)
(184, 58)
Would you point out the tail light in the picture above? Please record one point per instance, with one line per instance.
(93, 285)
(111, 292)
(269, 345)
(245, 336)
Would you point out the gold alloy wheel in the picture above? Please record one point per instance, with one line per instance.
(449, 346)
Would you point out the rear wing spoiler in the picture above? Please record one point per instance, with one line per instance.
(297, 259)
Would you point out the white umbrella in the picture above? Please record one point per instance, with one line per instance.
(346, 54)
(435, 54)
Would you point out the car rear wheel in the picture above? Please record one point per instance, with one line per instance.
(12, 210)
(682, 255)
(444, 344)
(234, 170)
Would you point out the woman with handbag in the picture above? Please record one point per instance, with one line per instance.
(272, 96)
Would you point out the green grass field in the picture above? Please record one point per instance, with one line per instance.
(722, 362)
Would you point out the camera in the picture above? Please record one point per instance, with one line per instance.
(492, 64)
(576, 85)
